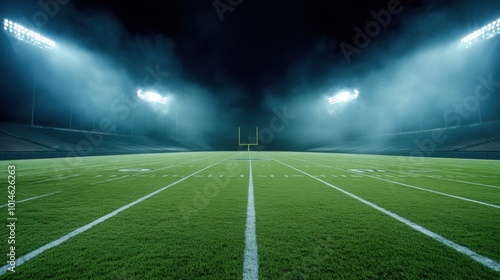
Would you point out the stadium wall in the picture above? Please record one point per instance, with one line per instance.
(467, 155)
(39, 155)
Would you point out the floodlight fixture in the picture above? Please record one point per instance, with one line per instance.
(26, 35)
(151, 96)
(486, 32)
(343, 96)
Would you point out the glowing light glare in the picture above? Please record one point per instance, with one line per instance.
(151, 96)
(22, 33)
(343, 96)
(486, 32)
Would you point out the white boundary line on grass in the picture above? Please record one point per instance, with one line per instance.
(31, 198)
(433, 177)
(77, 231)
(448, 171)
(457, 247)
(251, 256)
(126, 162)
(55, 179)
(154, 170)
(465, 182)
(107, 180)
(410, 186)
(436, 192)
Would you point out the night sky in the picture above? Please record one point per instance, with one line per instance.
(238, 65)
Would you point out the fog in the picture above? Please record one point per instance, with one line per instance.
(408, 81)
(94, 76)
(408, 76)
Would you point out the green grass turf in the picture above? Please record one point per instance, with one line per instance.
(305, 229)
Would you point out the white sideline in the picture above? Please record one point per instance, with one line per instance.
(436, 192)
(465, 182)
(251, 256)
(31, 198)
(459, 248)
(411, 186)
(435, 177)
(33, 254)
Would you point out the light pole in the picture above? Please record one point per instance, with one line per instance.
(342, 97)
(338, 131)
(93, 119)
(155, 98)
(131, 122)
(31, 37)
(71, 116)
(34, 93)
(421, 122)
(319, 124)
(480, 115)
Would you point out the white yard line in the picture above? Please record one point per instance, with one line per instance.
(143, 173)
(457, 247)
(86, 165)
(32, 198)
(55, 179)
(113, 179)
(170, 166)
(21, 260)
(251, 256)
(133, 164)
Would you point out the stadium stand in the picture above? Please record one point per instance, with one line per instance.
(471, 141)
(23, 141)
(197, 145)
(19, 141)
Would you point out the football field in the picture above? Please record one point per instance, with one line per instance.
(273, 215)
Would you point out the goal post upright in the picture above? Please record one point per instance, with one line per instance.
(249, 144)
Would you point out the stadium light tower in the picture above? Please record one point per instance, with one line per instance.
(31, 37)
(154, 97)
(151, 96)
(343, 96)
(488, 31)
(22, 33)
